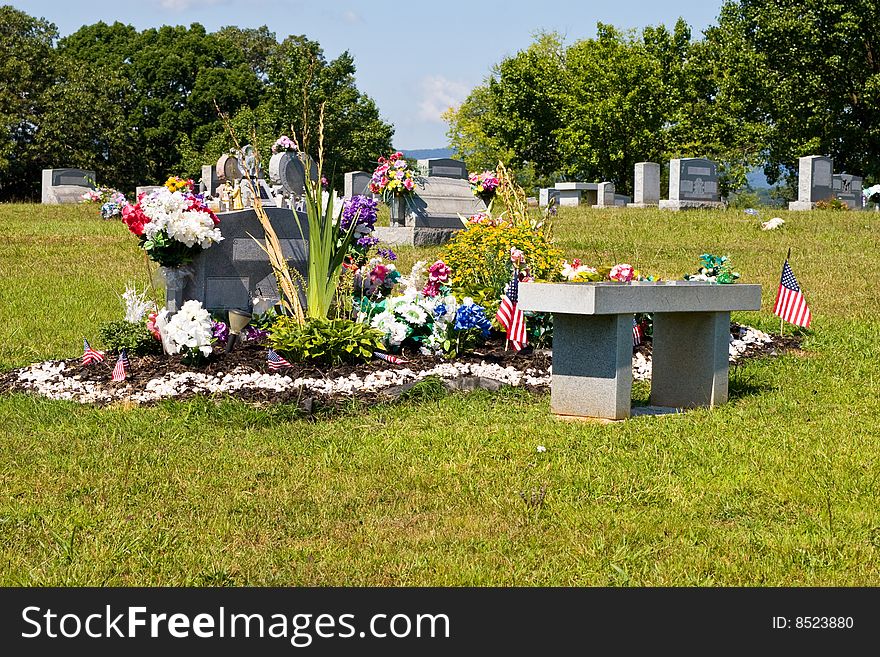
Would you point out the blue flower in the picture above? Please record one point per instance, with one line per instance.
(471, 316)
(439, 310)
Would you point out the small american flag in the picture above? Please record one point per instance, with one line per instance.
(276, 362)
(121, 367)
(637, 333)
(511, 317)
(390, 358)
(91, 355)
(790, 303)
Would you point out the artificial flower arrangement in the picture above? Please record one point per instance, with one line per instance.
(393, 178)
(284, 144)
(112, 201)
(359, 215)
(577, 272)
(426, 315)
(872, 194)
(715, 269)
(178, 184)
(190, 331)
(172, 226)
(484, 185)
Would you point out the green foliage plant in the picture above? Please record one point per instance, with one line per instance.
(134, 337)
(331, 342)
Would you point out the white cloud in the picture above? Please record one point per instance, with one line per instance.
(351, 17)
(438, 95)
(183, 5)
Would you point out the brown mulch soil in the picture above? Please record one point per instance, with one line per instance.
(252, 358)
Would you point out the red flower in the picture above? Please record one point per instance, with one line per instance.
(133, 217)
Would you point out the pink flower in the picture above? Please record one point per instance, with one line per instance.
(151, 325)
(408, 184)
(621, 272)
(517, 257)
(439, 272)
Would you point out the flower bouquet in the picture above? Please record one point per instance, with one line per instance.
(190, 332)
(178, 184)
(112, 201)
(715, 269)
(284, 144)
(484, 185)
(172, 228)
(872, 195)
(395, 182)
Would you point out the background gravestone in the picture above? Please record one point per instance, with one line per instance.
(646, 191)
(545, 194)
(574, 193)
(232, 272)
(435, 214)
(146, 189)
(209, 181)
(815, 181)
(848, 188)
(693, 184)
(66, 185)
(286, 169)
(357, 183)
(228, 168)
(605, 195)
(443, 168)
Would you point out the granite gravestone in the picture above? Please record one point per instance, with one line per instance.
(605, 195)
(574, 193)
(232, 272)
(545, 194)
(287, 170)
(357, 183)
(815, 181)
(646, 191)
(848, 189)
(228, 168)
(443, 168)
(693, 184)
(435, 213)
(146, 189)
(209, 181)
(66, 185)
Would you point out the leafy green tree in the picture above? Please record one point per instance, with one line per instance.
(467, 135)
(808, 71)
(26, 65)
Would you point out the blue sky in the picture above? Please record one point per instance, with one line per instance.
(414, 58)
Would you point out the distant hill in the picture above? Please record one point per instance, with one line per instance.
(426, 153)
(757, 179)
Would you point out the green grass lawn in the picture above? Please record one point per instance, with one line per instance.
(779, 487)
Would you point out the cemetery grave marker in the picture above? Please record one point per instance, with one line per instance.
(66, 185)
(693, 184)
(815, 181)
(646, 191)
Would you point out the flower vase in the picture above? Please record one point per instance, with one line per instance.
(175, 281)
(398, 211)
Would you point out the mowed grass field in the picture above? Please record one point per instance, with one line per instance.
(779, 487)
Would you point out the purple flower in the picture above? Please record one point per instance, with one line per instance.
(361, 210)
(220, 331)
(368, 241)
(387, 254)
(253, 334)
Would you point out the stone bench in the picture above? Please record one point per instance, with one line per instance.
(592, 342)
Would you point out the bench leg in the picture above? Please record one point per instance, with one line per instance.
(690, 356)
(592, 366)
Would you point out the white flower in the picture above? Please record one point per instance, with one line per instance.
(413, 313)
(136, 305)
(191, 328)
(541, 449)
(169, 211)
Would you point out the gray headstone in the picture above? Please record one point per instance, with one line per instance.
(357, 182)
(443, 168)
(441, 202)
(66, 185)
(228, 168)
(545, 194)
(286, 169)
(209, 181)
(605, 195)
(146, 189)
(815, 181)
(232, 272)
(577, 193)
(693, 179)
(647, 183)
(848, 188)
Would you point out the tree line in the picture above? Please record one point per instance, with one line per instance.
(137, 106)
(773, 80)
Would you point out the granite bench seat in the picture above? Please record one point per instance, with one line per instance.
(592, 342)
